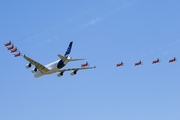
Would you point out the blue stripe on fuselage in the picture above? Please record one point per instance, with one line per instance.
(60, 64)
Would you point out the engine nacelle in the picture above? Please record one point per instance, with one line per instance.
(60, 74)
(73, 73)
(28, 65)
(34, 70)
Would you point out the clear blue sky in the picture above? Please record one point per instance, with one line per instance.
(104, 32)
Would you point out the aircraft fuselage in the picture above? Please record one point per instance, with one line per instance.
(53, 68)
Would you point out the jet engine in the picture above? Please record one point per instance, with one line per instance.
(28, 65)
(34, 70)
(73, 73)
(60, 74)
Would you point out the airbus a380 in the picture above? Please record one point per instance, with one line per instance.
(56, 66)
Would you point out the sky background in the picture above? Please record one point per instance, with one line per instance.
(104, 32)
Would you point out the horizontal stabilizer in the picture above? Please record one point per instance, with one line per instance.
(75, 59)
(65, 59)
(62, 57)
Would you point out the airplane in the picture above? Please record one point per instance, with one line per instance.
(18, 54)
(155, 61)
(7, 44)
(120, 64)
(14, 50)
(84, 65)
(9, 48)
(172, 60)
(138, 63)
(56, 66)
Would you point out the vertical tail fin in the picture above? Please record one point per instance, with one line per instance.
(68, 50)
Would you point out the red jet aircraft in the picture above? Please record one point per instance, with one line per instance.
(7, 44)
(172, 60)
(155, 61)
(9, 48)
(120, 64)
(16, 55)
(14, 50)
(138, 63)
(84, 65)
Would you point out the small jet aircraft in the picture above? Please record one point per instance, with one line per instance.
(120, 64)
(14, 50)
(18, 54)
(155, 61)
(84, 65)
(138, 63)
(7, 44)
(172, 60)
(56, 66)
(9, 48)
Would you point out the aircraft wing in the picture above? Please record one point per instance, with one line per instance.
(76, 69)
(40, 67)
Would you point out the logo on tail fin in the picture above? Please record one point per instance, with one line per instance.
(68, 50)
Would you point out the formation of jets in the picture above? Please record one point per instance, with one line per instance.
(140, 63)
(56, 66)
(12, 49)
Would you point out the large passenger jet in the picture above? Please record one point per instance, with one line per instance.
(54, 67)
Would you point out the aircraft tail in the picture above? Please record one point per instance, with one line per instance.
(68, 50)
(66, 56)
